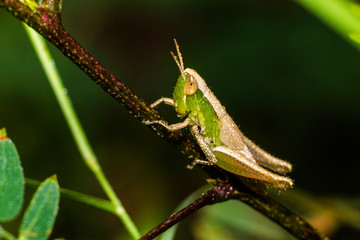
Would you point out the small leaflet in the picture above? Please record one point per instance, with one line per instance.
(11, 179)
(39, 217)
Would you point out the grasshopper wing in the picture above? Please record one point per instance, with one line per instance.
(238, 163)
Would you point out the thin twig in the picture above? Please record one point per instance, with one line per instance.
(218, 193)
(48, 24)
(223, 191)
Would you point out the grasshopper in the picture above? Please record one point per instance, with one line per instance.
(222, 142)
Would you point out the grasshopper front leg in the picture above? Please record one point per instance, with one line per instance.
(171, 127)
(167, 101)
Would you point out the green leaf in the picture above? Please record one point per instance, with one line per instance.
(40, 216)
(11, 179)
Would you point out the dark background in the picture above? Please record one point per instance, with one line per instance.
(289, 81)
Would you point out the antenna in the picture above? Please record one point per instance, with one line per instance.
(179, 63)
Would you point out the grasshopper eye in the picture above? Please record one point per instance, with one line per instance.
(190, 86)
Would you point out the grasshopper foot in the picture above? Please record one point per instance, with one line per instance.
(198, 161)
(161, 122)
(190, 166)
(147, 122)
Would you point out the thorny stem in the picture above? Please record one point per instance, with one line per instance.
(47, 23)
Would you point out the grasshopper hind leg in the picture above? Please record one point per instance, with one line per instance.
(238, 163)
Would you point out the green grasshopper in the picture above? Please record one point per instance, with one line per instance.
(222, 142)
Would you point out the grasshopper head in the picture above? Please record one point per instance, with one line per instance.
(186, 85)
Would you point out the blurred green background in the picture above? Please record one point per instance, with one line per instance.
(289, 81)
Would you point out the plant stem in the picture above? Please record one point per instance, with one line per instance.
(218, 193)
(6, 235)
(76, 129)
(92, 201)
(170, 233)
(223, 191)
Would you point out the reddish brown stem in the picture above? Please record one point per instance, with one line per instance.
(224, 191)
(218, 193)
(49, 25)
